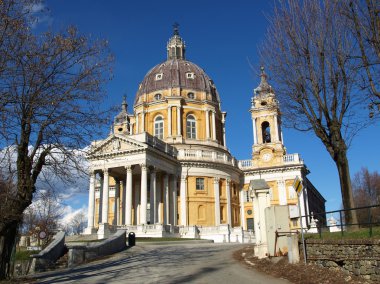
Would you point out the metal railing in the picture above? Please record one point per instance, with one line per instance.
(368, 218)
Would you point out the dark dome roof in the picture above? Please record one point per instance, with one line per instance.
(175, 73)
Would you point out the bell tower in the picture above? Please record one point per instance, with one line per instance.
(268, 149)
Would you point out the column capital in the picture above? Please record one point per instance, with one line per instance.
(216, 180)
(128, 168)
(106, 172)
(153, 169)
(228, 180)
(91, 173)
(183, 178)
(144, 167)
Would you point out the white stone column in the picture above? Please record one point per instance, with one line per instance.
(170, 121)
(242, 213)
(179, 121)
(91, 203)
(254, 131)
(116, 203)
(100, 209)
(137, 203)
(124, 201)
(260, 202)
(131, 128)
(153, 198)
(228, 194)
(277, 135)
(166, 199)
(159, 203)
(144, 194)
(213, 125)
(217, 201)
(224, 114)
(105, 196)
(174, 200)
(207, 124)
(183, 194)
(137, 123)
(128, 196)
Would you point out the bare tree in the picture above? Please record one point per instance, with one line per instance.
(308, 48)
(77, 223)
(366, 187)
(368, 184)
(43, 214)
(51, 98)
(363, 17)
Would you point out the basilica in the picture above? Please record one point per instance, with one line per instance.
(165, 169)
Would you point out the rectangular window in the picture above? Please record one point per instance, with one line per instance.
(159, 129)
(200, 184)
(292, 192)
(247, 196)
(190, 129)
(190, 75)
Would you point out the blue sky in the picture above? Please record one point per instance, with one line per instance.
(221, 37)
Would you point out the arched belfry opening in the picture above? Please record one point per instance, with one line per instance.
(265, 130)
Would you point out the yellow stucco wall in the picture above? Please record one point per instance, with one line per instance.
(275, 199)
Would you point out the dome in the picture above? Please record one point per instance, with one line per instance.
(177, 73)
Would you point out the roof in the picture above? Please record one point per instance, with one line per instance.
(258, 184)
(177, 73)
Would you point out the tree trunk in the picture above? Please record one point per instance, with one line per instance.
(7, 242)
(346, 189)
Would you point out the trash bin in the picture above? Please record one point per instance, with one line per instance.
(131, 239)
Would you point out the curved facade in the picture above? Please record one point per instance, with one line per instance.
(165, 168)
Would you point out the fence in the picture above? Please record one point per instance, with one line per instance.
(368, 218)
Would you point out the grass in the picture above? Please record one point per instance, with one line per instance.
(362, 233)
(25, 254)
(143, 239)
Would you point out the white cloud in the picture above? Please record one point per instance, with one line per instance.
(36, 7)
(39, 14)
(70, 213)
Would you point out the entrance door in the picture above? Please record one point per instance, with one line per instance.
(250, 226)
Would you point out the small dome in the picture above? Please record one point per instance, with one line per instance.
(175, 73)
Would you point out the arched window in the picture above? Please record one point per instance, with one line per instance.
(159, 127)
(191, 129)
(265, 130)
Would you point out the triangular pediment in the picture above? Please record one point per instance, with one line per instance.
(116, 144)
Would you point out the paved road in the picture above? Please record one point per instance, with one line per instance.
(183, 263)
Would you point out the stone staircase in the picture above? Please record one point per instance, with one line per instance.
(62, 262)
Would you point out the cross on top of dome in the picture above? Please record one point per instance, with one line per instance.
(176, 29)
(176, 46)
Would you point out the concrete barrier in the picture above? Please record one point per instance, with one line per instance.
(81, 253)
(46, 258)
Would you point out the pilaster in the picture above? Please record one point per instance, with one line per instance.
(217, 201)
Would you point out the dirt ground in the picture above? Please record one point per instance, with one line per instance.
(296, 273)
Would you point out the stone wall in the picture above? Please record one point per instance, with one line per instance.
(46, 258)
(360, 257)
(81, 253)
